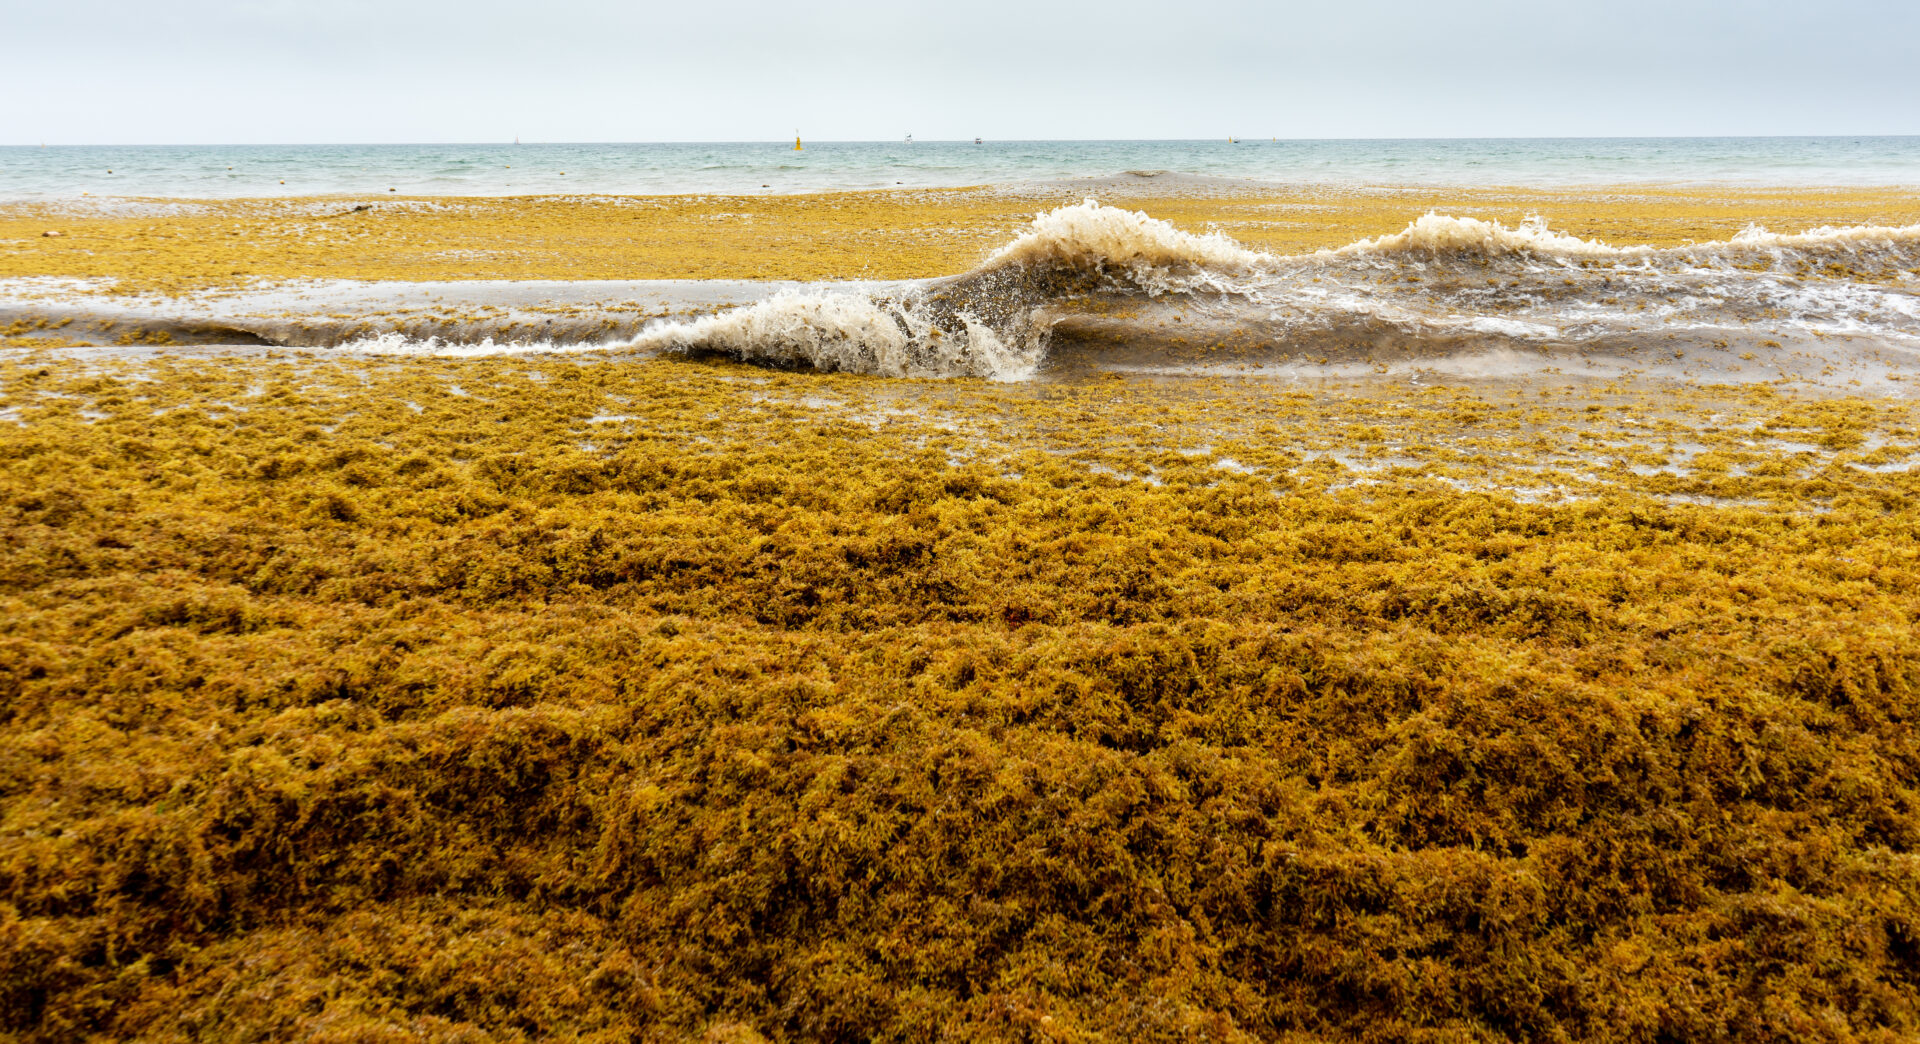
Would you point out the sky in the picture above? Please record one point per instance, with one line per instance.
(279, 71)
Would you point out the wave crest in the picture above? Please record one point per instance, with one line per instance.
(1438, 234)
(980, 324)
(849, 332)
(1089, 235)
(1828, 237)
(1089, 282)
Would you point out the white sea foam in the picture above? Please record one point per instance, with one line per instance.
(1509, 328)
(1827, 237)
(848, 332)
(1439, 234)
(1480, 289)
(996, 321)
(399, 344)
(941, 332)
(1090, 235)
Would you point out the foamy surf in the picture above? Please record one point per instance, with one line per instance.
(843, 331)
(403, 345)
(1437, 235)
(1091, 285)
(1090, 236)
(991, 322)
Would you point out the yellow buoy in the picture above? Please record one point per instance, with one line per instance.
(796, 141)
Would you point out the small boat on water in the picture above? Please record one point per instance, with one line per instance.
(909, 139)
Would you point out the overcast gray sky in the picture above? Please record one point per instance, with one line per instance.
(139, 71)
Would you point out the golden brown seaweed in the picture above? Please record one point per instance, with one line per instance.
(349, 699)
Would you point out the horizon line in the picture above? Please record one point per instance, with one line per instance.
(955, 141)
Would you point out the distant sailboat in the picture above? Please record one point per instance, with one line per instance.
(909, 139)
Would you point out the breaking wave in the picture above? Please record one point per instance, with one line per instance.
(1439, 235)
(1436, 235)
(853, 333)
(991, 322)
(1100, 285)
(1089, 236)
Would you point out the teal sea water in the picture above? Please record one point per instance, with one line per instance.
(213, 171)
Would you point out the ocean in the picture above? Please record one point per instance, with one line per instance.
(230, 171)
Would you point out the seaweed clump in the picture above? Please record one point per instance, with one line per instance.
(502, 700)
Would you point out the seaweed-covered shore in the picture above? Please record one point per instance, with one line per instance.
(180, 246)
(514, 699)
